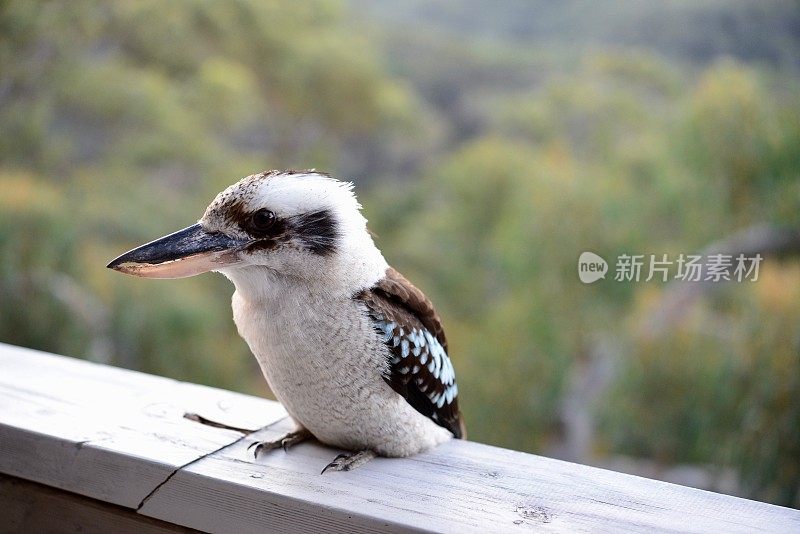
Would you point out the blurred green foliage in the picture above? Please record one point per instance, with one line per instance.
(490, 148)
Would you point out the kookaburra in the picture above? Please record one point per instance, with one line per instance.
(352, 349)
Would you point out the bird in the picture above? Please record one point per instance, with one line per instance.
(355, 352)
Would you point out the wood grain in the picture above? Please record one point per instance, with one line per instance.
(458, 487)
(108, 433)
(120, 436)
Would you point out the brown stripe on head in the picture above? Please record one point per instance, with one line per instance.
(245, 189)
(316, 230)
(229, 208)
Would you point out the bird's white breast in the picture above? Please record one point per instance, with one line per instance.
(323, 361)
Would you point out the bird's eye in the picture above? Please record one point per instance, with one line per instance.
(262, 220)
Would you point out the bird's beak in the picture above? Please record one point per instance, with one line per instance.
(185, 253)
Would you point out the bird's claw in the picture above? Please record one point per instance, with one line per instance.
(265, 446)
(292, 438)
(348, 462)
(336, 464)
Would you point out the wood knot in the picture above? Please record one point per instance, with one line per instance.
(534, 514)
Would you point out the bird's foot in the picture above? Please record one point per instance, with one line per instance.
(348, 462)
(292, 438)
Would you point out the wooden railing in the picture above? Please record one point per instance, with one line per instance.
(99, 449)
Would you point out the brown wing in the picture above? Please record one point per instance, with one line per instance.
(396, 287)
(420, 369)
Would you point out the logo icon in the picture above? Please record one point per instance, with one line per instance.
(591, 267)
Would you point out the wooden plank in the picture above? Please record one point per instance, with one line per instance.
(120, 437)
(31, 507)
(458, 487)
(108, 433)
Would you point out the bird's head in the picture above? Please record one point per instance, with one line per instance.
(273, 229)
